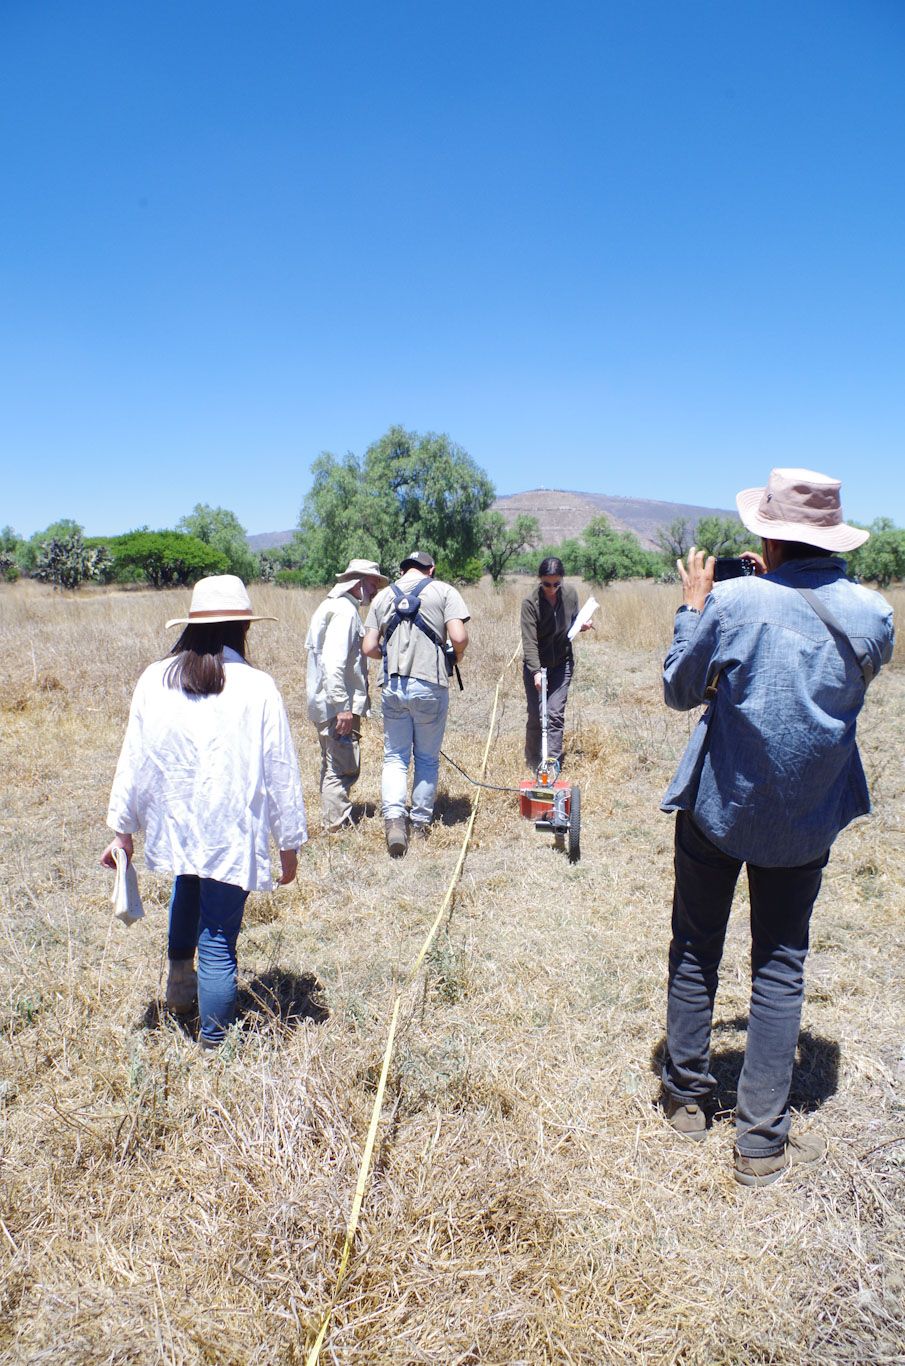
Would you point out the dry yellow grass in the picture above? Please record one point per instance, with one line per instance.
(528, 1203)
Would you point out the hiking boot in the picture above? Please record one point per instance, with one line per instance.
(182, 986)
(345, 824)
(762, 1171)
(420, 830)
(689, 1120)
(397, 839)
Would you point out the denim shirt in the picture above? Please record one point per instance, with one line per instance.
(772, 771)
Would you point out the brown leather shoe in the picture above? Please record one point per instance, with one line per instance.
(689, 1120)
(420, 830)
(763, 1171)
(397, 838)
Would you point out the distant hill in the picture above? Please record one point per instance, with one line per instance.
(562, 513)
(269, 540)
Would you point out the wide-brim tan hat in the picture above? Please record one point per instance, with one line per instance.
(361, 569)
(799, 505)
(220, 597)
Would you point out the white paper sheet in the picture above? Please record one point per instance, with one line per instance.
(584, 615)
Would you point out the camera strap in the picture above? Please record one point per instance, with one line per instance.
(838, 633)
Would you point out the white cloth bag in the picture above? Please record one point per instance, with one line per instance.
(127, 905)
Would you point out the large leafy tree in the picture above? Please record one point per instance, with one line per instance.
(881, 560)
(164, 558)
(222, 530)
(409, 491)
(724, 536)
(675, 540)
(502, 542)
(607, 554)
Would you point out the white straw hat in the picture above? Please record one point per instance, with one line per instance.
(799, 505)
(361, 569)
(220, 597)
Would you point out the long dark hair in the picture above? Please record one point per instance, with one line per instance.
(551, 565)
(198, 664)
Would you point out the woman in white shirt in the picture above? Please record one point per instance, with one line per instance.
(208, 772)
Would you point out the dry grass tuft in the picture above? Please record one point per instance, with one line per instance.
(528, 1202)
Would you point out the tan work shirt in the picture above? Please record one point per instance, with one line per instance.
(410, 652)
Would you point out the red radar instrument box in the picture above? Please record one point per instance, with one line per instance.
(535, 799)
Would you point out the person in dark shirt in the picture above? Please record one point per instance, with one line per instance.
(547, 614)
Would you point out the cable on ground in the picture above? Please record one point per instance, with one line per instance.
(368, 1153)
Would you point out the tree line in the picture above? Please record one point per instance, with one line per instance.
(407, 491)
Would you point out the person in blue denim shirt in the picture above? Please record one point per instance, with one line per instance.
(770, 776)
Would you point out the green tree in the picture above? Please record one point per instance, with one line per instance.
(164, 558)
(675, 540)
(408, 491)
(724, 536)
(222, 530)
(502, 543)
(881, 560)
(607, 554)
(9, 548)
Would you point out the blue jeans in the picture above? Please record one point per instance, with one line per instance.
(414, 718)
(208, 915)
(781, 903)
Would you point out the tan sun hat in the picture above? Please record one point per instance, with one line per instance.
(362, 569)
(220, 597)
(799, 505)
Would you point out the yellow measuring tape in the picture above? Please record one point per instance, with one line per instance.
(365, 1165)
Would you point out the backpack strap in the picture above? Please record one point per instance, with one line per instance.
(863, 661)
(413, 615)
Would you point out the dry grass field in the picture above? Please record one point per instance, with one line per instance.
(528, 1202)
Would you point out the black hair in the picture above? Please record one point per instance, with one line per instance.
(799, 550)
(198, 664)
(551, 565)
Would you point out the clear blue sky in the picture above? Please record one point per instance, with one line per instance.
(649, 248)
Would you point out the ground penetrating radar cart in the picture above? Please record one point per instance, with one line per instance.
(551, 803)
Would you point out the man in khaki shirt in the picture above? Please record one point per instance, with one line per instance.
(338, 686)
(408, 629)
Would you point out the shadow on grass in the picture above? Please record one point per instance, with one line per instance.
(286, 997)
(815, 1076)
(451, 810)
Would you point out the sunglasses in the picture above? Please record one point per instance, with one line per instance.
(551, 583)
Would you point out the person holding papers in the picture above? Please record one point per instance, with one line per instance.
(548, 613)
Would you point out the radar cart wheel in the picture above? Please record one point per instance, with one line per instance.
(574, 825)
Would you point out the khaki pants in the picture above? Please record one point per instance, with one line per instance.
(340, 767)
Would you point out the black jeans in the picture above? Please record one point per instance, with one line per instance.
(781, 903)
(558, 679)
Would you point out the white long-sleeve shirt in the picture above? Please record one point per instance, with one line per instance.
(337, 670)
(209, 779)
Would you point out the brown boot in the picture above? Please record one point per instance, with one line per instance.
(763, 1171)
(689, 1120)
(182, 986)
(397, 839)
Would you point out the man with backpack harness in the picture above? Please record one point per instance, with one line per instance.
(417, 627)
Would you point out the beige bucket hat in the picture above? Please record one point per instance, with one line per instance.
(799, 505)
(220, 597)
(360, 569)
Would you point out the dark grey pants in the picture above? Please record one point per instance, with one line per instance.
(558, 680)
(781, 903)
